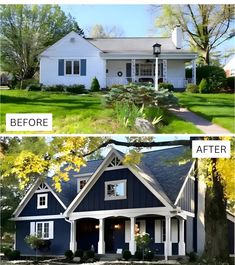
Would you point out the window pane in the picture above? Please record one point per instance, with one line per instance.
(68, 67)
(146, 69)
(42, 201)
(111, 190)
(120, 189)
(39, 229)
(76, 67)
(137, 69)
(46, 230)
(82, 183)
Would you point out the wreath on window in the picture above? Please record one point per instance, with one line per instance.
(119, 73)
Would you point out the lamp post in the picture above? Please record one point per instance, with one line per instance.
(156, 52)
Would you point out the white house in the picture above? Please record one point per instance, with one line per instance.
(229, 68)
(76, 60)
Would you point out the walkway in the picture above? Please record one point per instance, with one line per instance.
(202, 124)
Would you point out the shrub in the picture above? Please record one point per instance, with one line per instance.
(193, 256)
(192, 88)
(90, 254)
(54, 88)
(139, 255)
(95, 86)
(11, 254)
(126, 254)
(167, 86)
(141, 95)
(214, 75)
(34, 87)
(76, 89)
(69, 255)
(203, 86)
(230, 83)
(79, 253)
(25, 83)
(149, 255)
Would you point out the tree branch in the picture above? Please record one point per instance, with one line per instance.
(139, 144)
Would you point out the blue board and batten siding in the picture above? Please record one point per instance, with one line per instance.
(138, 196)
(54, 207)
(59, 243)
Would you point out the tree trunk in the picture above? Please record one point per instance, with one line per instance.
(216, 226)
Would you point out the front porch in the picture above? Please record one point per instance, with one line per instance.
(124, 71)
(113, 234)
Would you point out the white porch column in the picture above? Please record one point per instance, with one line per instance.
(73, 241)
(132, 244)
(156, 74)
(133, 70)
(164, 63)
(168, 245)
(101, 243)
(181, 242)
(194, 71)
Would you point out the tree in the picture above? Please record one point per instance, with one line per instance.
(206, 26)
(27, 30)
(99, 31)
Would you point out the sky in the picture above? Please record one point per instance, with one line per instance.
(134, 20)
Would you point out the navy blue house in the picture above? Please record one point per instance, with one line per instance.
(107, 203)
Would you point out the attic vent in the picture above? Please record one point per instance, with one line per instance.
(115, 162)
(42, 187)
(72, 40)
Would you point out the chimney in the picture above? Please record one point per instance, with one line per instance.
(177, 37)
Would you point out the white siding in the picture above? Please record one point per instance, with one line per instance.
(176, 73)
(76, 50)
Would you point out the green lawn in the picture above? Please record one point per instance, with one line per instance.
(217, 108)
(77, 113)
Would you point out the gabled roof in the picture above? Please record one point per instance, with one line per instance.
(135, 45)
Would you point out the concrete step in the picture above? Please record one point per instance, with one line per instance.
(110, 257)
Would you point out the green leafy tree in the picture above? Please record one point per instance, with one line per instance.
(205, 26)
(142, 242)
(27, 30)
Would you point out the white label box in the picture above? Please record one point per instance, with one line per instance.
(211, 149)
(28, 122)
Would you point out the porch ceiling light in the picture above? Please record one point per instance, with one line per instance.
(97, 227)
(117, 226)
(157, 49)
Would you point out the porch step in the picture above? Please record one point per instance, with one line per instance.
(110, 257)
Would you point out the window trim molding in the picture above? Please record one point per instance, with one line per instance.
(50, 227)
(72, 67)
(112, 198)
(46, 201)
(78, 182)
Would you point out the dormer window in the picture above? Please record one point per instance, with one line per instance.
(115, 190)
(81, 183)
(42, 201)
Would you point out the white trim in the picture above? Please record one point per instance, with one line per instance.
(78, 182)
(115, 197)
(135, 212)
(41, 191)
(185, 182)
(50, 229)
(115, 168)
(39, 196)
(38, 217)
(72, 67)
(84, 175)
(187, 213)
(230, 217)
(26, 198)
(56, 196)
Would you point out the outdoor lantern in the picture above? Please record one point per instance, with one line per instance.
(156, 49)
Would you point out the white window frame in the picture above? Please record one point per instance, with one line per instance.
(50, 229)
(45, 195)
(114, 182)
(72, 70)
(79, 181)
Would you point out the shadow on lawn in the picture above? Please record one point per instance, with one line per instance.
(69, 104)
